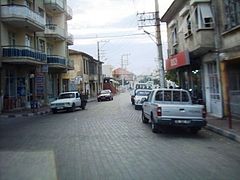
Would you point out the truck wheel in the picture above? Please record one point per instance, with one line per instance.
(144, 119)
(154, 127)
(73, 107)
(54, 111)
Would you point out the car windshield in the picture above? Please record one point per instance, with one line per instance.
(143, 93)
(66, 95)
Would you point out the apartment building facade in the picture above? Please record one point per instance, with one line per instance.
(34, 51)
(87, 75)
(198, 38)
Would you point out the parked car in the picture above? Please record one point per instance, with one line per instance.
(68, 101)
(138, 86)
(105, 95)
(140, 94)
(173, 107)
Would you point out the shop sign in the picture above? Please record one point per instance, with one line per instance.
(39, 82)
(178, 60)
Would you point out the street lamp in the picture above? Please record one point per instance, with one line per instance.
(160, 59)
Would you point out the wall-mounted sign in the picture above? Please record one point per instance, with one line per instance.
(178, 60)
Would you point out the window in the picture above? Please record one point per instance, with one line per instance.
(159, 96)
(176, 96)
(49, 49)
(174, 36)
(41, 11)
(185, 97)
(167, 95)
(28, 40)
(41, 45)
(188, 26)
(232, 13)
(12, 38)
(204, 17)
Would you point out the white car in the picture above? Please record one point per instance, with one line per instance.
(140, 94)
(66, 101)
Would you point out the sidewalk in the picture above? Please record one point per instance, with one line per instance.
(217, 125)
(30, 112)
(221, 126)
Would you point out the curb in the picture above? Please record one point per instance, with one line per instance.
(223, 132)
(25, 114)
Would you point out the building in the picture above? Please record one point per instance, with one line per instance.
(87, 74)
(203, 44)
(34, 51)
(124, 76)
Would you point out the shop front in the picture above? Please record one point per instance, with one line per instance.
(21, 85)
(188, 72)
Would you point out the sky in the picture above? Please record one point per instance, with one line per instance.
(113, 24)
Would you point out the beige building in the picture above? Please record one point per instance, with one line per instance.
(203, 44)
(87, 74)
(34, 51)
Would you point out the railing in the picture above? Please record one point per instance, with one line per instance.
(70, 64)
(23, 51)
(69, 12)
(70, 38)
(53, 59)
(54, 29)
(59, 3)
(19, 11)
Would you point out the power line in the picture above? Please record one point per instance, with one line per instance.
(109, 36)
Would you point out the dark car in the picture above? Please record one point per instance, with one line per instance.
(105, 95)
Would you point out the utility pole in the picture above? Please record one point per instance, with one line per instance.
(99, 64)
(159, 46)
(123, 64)
(152, 19)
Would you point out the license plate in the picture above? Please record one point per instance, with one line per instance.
(182, 121)
(59, 107)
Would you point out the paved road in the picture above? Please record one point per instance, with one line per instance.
(108, 141)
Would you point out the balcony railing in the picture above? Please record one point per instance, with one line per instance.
(18, 14)
(70, 39)
(58, 60)
(69, 13)
(22, 52)
(53, 30)
(70, 64)
(57, 6)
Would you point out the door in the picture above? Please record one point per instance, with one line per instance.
(214, 101)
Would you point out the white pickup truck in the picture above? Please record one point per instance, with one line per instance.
(68, 101)
(172, 107)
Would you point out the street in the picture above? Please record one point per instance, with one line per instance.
(109, 141)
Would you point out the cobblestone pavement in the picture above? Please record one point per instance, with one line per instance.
(108, 141)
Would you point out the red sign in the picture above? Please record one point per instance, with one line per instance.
(178, 60)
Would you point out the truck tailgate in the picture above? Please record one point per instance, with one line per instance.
(182, 111)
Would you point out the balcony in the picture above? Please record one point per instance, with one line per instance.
(93, 77)
(54, 31)
(197, 43)
(22, 17)
(69, 13)
(54, 6)
(58, 62)
(70, 39)
(23, 54)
